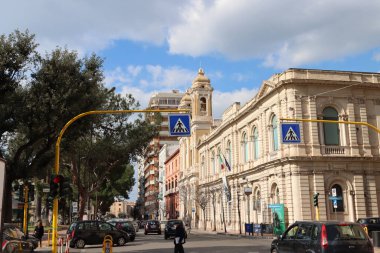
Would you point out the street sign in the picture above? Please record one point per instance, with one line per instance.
(179, 124)
(272, 206)
(335, 203)
(333, 192)
(335, 198)
(75, 207)
(290, 133)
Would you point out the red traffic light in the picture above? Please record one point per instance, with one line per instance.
(57, 179)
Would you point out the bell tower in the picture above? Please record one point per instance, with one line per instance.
(201, 96)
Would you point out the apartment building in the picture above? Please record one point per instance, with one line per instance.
(149, 163)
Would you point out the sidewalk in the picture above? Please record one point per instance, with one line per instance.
(234, 233)
(47, 241)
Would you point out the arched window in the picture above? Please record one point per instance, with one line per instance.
(229, 153)
(257, 200)
(275, 194)
(203, 104)
(330, 130)
(255, 137)
(245, 147)
(213, 162)
(220, 161)
(275, 133)
(339, 193)
(203, 169)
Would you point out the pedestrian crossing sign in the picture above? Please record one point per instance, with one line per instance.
(291, 133)
(179, 124)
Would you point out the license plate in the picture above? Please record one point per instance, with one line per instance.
(153, 226)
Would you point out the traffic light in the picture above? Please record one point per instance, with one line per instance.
(31, 192)
(64, 187)
(54, 185)
(315, 199)
(21, 193)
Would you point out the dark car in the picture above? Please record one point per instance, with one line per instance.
(125, 225)
(170, 228)
(371, 223)
(92, 232)
(323, 237)
(15, 240)
(152, 226)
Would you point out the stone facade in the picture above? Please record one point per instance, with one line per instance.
(344, 158)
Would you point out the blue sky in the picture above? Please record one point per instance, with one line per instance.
(158, 45)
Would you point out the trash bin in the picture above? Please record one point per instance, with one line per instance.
(376, 238)
(249, 228)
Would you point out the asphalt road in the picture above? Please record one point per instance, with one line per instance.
(196, 243)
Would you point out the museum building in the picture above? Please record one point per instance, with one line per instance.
(246, 166)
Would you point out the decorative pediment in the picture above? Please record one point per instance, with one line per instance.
(265, 88)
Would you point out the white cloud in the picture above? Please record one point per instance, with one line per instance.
(90, 25)
(222, 100)
(376, 56)
(287, 33)
(155, 78)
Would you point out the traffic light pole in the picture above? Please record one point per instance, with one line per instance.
(57, 147)
(26, 205)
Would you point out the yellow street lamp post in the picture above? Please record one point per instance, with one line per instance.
(57, 146)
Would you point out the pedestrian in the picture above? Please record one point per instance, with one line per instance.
(262, 229)
(39, 231)
(179, 238)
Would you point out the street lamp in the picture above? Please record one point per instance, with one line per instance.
(248, 192)
(238, 207)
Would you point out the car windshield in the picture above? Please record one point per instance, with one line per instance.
(345, 232)
(174, 222)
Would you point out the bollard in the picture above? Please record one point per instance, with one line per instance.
(67, 248)
(107, 244)
(48, 240)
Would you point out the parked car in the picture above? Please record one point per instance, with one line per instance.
(170, 228)
(152, 226)
(323, 237)
(125, 225)
(92, 232)
(371, 223)
(14, 238)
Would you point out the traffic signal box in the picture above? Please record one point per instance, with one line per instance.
(315, 199)
(31, 193)
(59, 187)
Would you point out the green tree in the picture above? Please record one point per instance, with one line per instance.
(60, 86)
(17, 57)
(100, 161)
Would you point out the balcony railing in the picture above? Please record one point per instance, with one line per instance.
(334, 150)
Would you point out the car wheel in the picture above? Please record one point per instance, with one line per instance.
(80, 243)
(132, 238)
(274, 251)
(121, 241)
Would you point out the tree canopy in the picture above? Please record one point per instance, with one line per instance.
(40, 94)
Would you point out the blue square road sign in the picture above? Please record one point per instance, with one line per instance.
(290, 133)
(179, 124)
